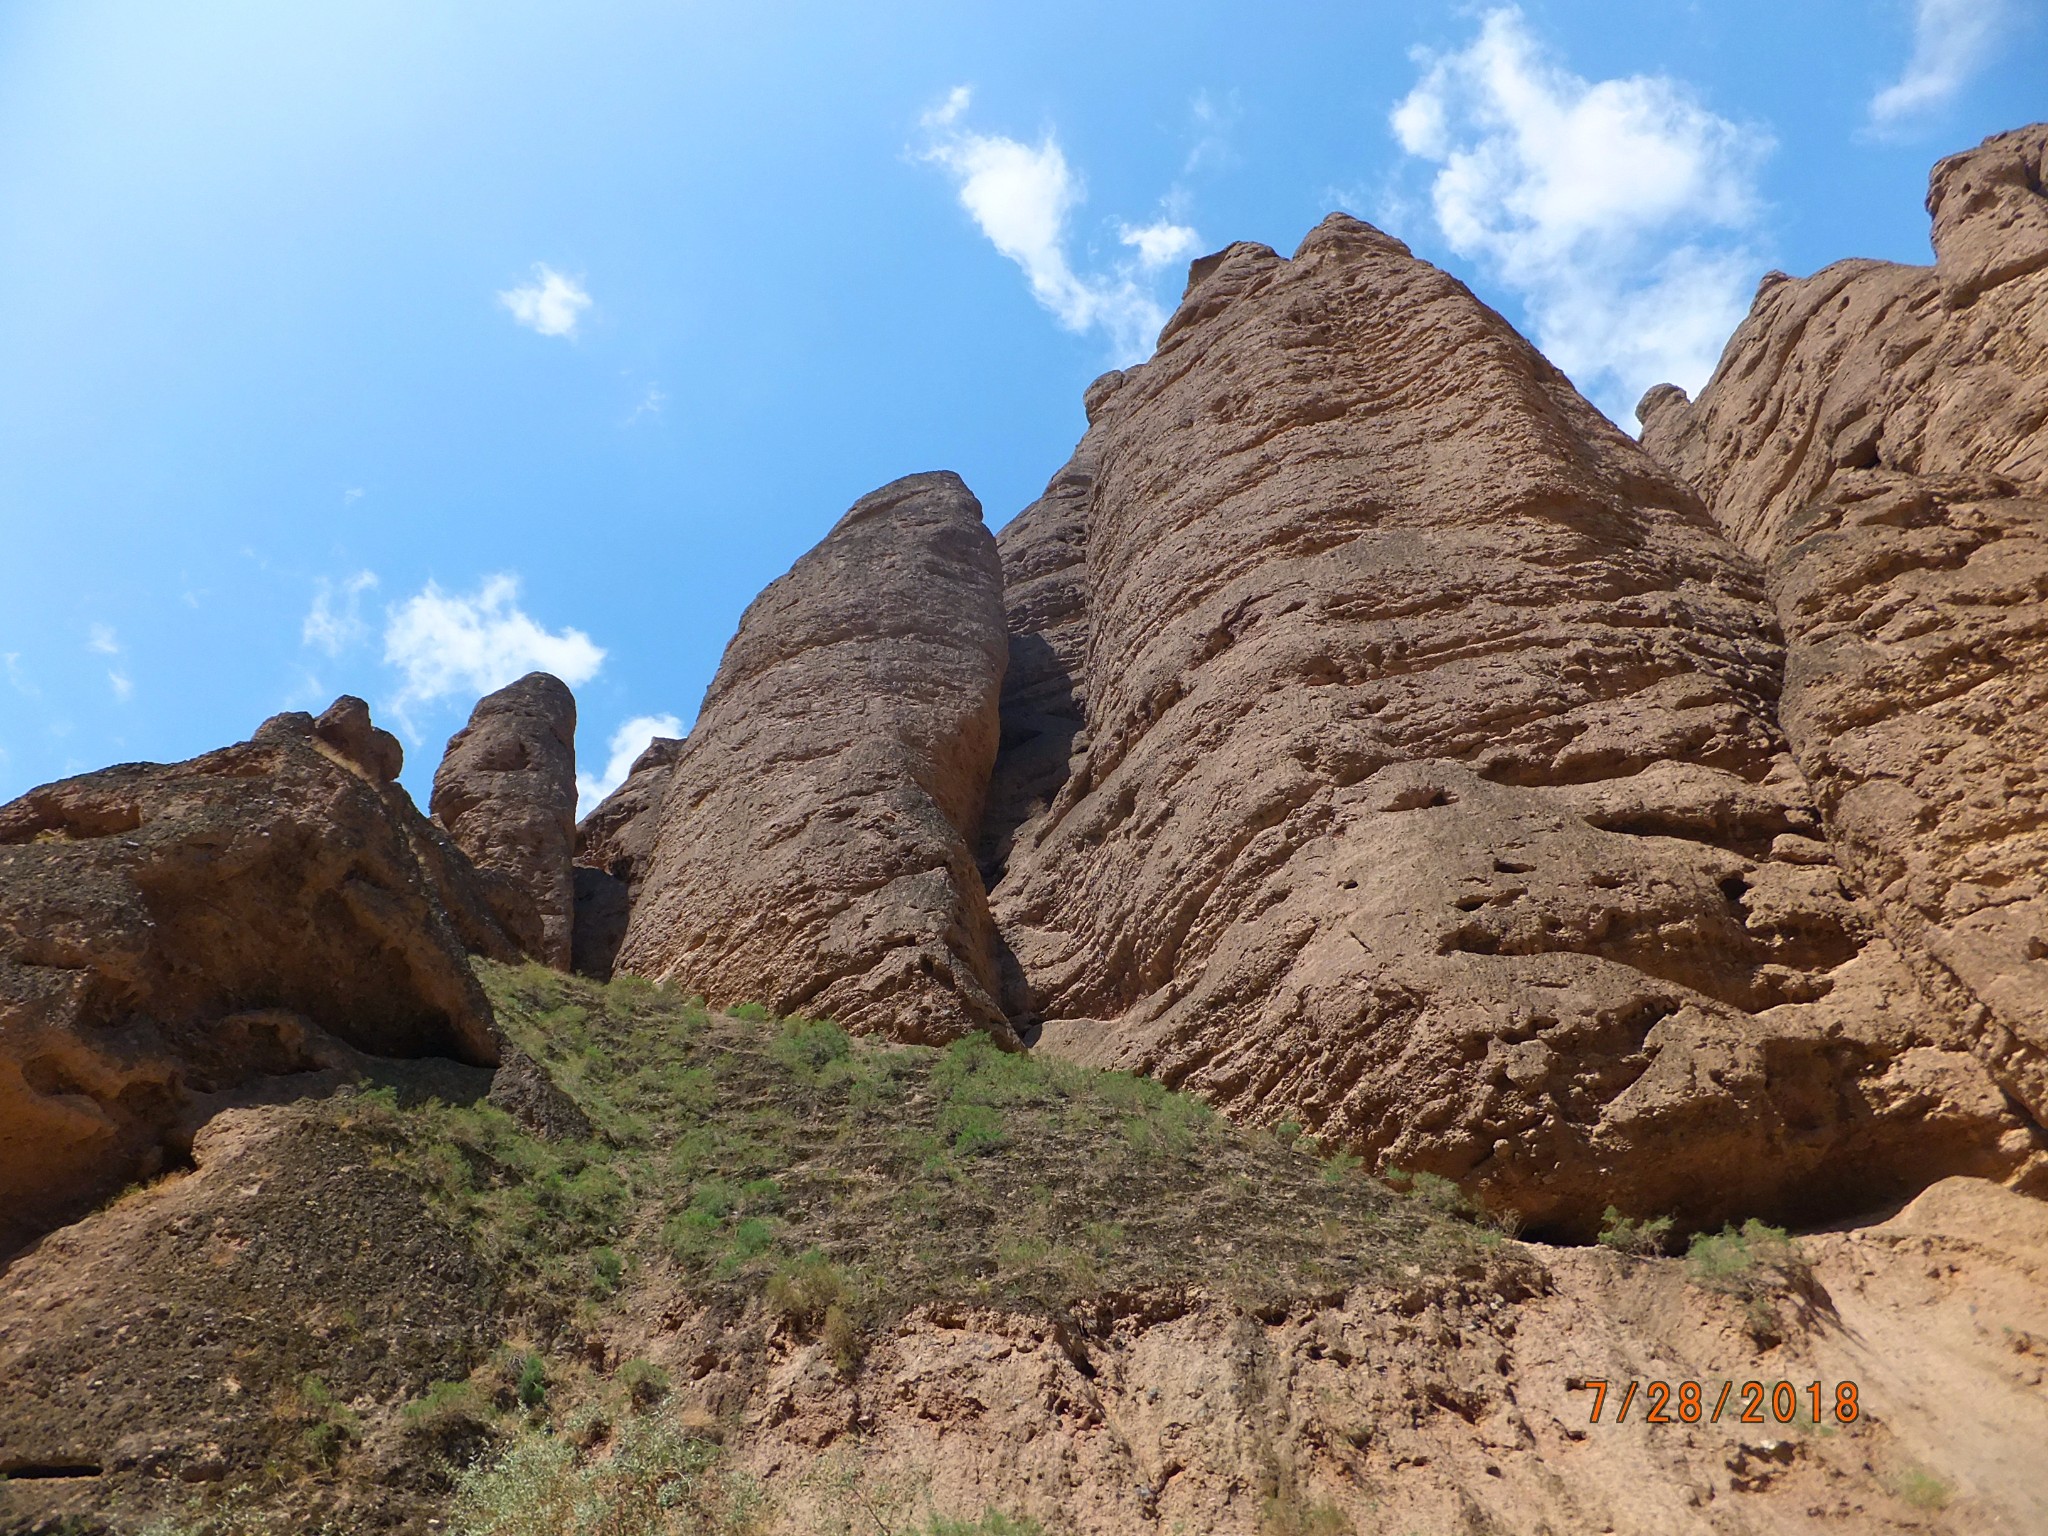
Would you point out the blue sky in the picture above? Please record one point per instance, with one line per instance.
(377, 348)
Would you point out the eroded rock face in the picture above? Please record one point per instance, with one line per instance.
(1877, 436)
(1044, 706)
(1430, 792)
(613, 844)
(815, 843)
(506, 793)
(170, 932)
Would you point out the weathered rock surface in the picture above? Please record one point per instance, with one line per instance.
(618, 834)
(506, 793)
(613, 844)
(1431, 793)
(1044, 705)
(170, 932)
(1877, 435)
(815, 846)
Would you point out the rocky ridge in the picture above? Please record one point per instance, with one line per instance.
(1361, 734)
(814, 848)
(1431, 752)
(1877, 437)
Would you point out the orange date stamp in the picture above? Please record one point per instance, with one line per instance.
(1749, 1402)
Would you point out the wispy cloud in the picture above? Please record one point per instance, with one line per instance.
(18, 679)
(651, 402)
(1213, 122)
(627, 743)
(1160, 244)
(123, 686)
(1021, 196)
(102, 640)
(335, 621)
(447, 644)
(1952, 40)
(551, 304)
(1621, 212)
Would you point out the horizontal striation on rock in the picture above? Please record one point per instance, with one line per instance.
(1430, 791)
(1877, 435)
(815, 843)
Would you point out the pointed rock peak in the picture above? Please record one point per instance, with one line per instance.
(506, 793)
(538, 694)
(932, 493)
(1990, 212)
(812, 846)
(1341, 233)
(1202, 268)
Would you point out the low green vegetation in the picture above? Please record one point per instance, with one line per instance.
(1921, 1489)
(745, 1162)
(1747, 1261)
(1646, 1239)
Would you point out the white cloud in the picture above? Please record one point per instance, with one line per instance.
(101, 639)
(651, 402)
(17, 678)
(1952, 40)
(335, 621)
(552, 304)
(1619, 210)
(1160, 244)
(1020, 195)
(124, 689)
(445, 644)
(628, 742)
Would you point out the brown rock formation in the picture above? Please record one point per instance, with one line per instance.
(815, 843)
(506, 793)
(618, 835)
(1044, 706)
(1877, 435)
(1432, 795)
(613, 844)
(168, 933)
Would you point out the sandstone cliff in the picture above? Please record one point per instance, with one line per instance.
(815, 844)
(1433, 795)
(1877, 437)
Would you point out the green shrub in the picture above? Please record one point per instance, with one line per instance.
(645, 1382)
(801, 1291)
(532, 1384)
(1745, 1261)
(607, 1267)
(753, 1013)
(1637, 1239)
(1433, 1191)
(331, 1427)
(655, 1481)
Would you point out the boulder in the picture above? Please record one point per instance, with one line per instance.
(168, 933)
(506, 793)
(1877, 437)
(1429, 792)
(814, 850)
